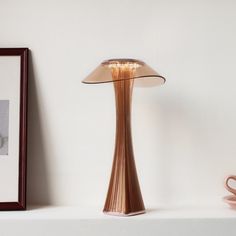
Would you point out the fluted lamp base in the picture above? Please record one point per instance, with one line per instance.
(124, 196)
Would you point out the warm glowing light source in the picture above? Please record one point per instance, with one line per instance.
(126, 65)
(122, 64)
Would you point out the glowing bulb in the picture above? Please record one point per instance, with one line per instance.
(125, 65)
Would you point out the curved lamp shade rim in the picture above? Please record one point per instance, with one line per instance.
(134, 78)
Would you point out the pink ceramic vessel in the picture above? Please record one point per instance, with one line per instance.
(231, 199)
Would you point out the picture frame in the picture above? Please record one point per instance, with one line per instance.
(13, 127)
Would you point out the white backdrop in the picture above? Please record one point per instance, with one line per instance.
(184, 132)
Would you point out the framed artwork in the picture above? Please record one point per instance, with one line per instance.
(13, 127)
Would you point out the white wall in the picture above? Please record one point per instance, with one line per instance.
(184, 132)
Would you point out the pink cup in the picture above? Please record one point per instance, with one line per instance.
(230, 189)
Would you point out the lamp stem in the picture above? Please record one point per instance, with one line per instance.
(124, 195)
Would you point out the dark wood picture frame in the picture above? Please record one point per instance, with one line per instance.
(23, 53)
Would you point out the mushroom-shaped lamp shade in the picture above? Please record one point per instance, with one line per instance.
(124, 194)
(121, 69)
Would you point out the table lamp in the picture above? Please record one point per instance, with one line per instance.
(124, 195)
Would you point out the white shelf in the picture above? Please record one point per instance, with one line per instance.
(60, 221)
